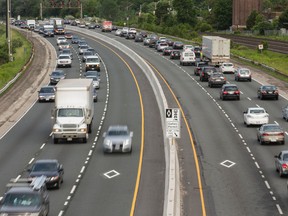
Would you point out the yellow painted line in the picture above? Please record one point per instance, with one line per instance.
(136, 189)
(191, 140)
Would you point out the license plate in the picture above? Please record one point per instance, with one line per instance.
(273, 140)
(230, 92)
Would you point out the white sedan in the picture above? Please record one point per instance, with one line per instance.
(227, 67)
(256, 116)
(60, 39)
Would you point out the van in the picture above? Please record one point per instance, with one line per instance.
(187, 57)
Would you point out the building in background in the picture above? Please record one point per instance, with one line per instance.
(241, 11)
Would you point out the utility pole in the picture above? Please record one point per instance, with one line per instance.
(8, 33)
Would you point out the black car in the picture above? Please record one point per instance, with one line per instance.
(130, 35)
(229, 91)
(175, 54)
(50, 168)
(114, 28)
(75, 39)
(268, 91)
(205, 73)
(198, 67)
(143, 33)
(138, 38)
(167, 51)
(48, 33)
(178, 45)
(56, 76)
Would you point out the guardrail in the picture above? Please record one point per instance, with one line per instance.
(21, 70)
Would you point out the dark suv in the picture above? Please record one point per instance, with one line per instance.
(229, 91)
(205, 73)
(25, 197)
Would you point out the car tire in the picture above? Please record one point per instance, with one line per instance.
(84, 140)
(276, 98)
(283, 142)
(261, 142)
(280, 173)
(56, 140)
(238, 98)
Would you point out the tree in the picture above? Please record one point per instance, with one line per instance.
(222, 14)
(283, 19)
(162, 11)
(251, 21)
(186, 11)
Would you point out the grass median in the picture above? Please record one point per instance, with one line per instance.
(21, 56)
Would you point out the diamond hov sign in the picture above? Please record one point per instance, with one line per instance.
(173, 123)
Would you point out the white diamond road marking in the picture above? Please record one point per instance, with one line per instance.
(227, 163)
(111, 174)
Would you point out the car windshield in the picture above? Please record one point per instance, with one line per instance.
(39, 167)
(272, 128)
(231, 88)
(56, 73)
(64, 57)
(87, 53)
(117, 132)
(92, 60)
(47, 90)
(269, 88)
(21, 200)
(70, 112)
(257, 111)
(244, 72)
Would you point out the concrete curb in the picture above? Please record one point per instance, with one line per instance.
(172, 186)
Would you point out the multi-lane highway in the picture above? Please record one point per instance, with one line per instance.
(237, 174)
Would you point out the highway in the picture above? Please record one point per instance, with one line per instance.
(238, 176)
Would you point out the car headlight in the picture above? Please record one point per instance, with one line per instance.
(126, 142)
(108, 142)
(53, 178)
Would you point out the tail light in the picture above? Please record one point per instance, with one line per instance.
(237, 92)
(202, 74)
(263, 92)
(265, 134)
(284, 166)
(225, 92)
(280, 134)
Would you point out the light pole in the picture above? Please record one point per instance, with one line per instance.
(8, 30)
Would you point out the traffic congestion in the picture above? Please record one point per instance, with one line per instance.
(238, 121)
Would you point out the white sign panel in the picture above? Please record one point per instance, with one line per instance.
(173, 122)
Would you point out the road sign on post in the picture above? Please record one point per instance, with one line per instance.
(173, 123)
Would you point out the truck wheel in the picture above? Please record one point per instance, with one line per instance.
(90, 128)
(84, 140)
(55, 140)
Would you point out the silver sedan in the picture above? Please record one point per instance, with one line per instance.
(270, 133)
(118, 138)
(281, 163)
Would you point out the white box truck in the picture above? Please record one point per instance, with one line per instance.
(31, 24)
(216, 49)
(74, 110)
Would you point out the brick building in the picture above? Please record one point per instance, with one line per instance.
(241, 11)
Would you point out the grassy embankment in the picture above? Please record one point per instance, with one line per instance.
(9, 70)
(275, 60)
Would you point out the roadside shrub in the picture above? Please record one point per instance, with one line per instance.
(17, 43)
